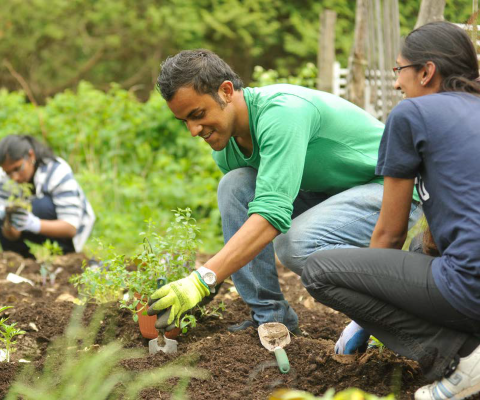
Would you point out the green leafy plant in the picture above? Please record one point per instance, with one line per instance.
(169, 258)
(211, 312)
(46, 255)
(79, 368)
(130, 280)
(8, 332)
(20, 194)
(188, 321)
(105, 282)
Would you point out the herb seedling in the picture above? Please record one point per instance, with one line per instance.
(8, 333)
(187, 321)
(46, 255)
(214, 312)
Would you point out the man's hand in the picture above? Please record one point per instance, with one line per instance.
(353, 338)
(181, 296)
(23, 220)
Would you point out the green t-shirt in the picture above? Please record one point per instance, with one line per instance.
(303, 139)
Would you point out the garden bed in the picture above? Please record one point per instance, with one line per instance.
(239, 367)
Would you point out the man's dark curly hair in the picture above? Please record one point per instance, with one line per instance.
(201, 69)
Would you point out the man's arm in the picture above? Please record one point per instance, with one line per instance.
(243, 247)
(392, 225)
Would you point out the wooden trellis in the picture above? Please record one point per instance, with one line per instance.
(377, 42)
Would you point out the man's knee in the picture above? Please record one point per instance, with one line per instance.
(236, 185)
(290, 252)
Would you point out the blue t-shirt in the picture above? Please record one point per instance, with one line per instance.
(436, 139)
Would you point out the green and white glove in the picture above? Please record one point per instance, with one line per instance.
(181, 296)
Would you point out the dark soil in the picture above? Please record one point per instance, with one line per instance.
(238, 365)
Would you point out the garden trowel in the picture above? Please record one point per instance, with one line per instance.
(163, 343)
(274, 336)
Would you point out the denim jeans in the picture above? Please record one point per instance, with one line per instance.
(319, 222)
(392, 294)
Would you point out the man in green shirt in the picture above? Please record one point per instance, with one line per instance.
(299, 168)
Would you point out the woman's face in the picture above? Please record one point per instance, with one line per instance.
(409, 80)
(22, 170)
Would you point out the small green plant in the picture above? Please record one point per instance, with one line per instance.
(46, 255)
(8, 332)
(106, 282)
(188, 321)
(79, 368)
(20, 194)
(213, 312)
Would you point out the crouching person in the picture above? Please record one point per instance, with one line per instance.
(422, 307)
(59, 209)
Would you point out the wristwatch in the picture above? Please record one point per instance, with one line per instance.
(209, 277)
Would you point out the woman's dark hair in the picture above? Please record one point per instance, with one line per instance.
(16, 147)
(201, 69)
(451, 50)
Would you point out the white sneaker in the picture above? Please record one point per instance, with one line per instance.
(462, 383)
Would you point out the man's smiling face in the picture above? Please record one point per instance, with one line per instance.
(204, 116)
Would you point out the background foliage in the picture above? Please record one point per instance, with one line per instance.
(134, 160)
(54, 44)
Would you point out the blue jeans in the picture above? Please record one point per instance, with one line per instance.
(319, 223)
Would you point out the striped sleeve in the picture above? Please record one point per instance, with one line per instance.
(65, 191)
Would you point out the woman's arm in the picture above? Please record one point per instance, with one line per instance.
(392, 225)
(57, 228)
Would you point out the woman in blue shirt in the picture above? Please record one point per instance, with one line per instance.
(422, 307)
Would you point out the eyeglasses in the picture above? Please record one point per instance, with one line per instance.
(396, 70)
(18, 169)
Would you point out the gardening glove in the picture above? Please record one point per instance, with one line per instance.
(181, 296)
(23, 220)
(353, 338)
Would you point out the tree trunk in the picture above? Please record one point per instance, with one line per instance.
(356, 88)
(326, 51)
(430, 10)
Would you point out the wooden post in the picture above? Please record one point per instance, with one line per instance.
(475, 24)
(356, 88)
(326, 51)
(430, 10)
(381, 58)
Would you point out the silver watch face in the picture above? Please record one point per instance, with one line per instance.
(210, 279)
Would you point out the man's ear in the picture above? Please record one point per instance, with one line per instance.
(226, 91)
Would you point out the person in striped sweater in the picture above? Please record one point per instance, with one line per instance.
(60, 211)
